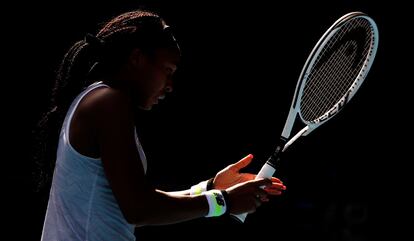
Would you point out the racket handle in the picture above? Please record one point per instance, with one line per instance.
(267, 171)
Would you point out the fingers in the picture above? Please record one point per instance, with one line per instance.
(273, 192)
(275, 189)
(275, 179)
(271, 188)
(277, 186)
(242, 163)
(265, 182)
(253, 193)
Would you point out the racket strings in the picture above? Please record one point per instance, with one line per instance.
(334, 71)
(330, 71)
(349, 73)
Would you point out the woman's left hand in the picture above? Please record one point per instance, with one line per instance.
(231, 176)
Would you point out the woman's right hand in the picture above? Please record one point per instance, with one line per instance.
(246, 197)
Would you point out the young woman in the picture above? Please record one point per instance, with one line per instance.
(99, 190)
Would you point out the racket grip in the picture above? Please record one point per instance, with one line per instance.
(267, 171)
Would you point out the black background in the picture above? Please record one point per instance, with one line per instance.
(232, 93)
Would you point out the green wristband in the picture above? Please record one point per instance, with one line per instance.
(216, 203)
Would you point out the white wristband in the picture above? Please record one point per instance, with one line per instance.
(216, 203)
(199, 188)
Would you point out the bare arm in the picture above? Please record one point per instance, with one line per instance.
(178, 193)
(140, 203)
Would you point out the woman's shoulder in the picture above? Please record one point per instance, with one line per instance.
(104, 101)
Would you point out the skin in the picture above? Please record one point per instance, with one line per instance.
(103, 127)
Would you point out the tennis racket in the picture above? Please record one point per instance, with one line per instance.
(332, 74)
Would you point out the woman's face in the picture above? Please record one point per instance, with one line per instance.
(152, 76)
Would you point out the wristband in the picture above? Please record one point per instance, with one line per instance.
(216, 203)
(210, 184)
(202, 187)
(226, 200)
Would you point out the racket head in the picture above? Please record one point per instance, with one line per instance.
(336, 68)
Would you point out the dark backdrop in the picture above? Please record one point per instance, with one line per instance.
(232, 93)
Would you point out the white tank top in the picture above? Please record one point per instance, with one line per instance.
(81, 203)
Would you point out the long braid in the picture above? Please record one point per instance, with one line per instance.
(70, 79)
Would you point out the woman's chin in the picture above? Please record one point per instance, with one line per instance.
(148, 106)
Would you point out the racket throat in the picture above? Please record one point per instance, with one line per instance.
(274, 159)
